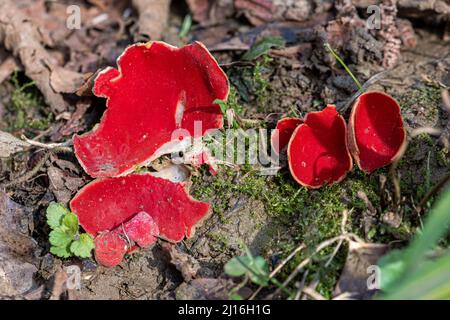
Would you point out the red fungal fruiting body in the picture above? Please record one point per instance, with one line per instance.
(318, 152)
(141, 229)
(375, 131)
(283, 132)
(156, 90)
(110, 248)
(105, 204)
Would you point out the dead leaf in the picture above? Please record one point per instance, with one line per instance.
(7, 67)
(20, 36)
(184, 263)
(153, 17)
(65, 81)
(63, 184)
(10, 145)
(17, 249)
(209, 13)
(173, 172)
(354, 276)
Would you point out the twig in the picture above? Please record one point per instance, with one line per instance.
(432, 192)
(313, 294)
(278, 268)
(47, 145)
(237, 63)
(301, 286)
(27, 176)
(320, 247)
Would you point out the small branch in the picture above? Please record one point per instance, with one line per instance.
(27, 176)
(432, 192)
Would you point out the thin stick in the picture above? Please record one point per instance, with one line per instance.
(313, 294)
(46, 145)
(327, 45)
(27, 176)
(278, 268)
(432, 192)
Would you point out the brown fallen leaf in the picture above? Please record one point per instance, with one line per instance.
(65, 81)
(8, 65)
(18, 250)
(208, 12)
(10, 144)
(20, 36)
(290, 31)
(355, 275)
(63, 184)
(153, 17)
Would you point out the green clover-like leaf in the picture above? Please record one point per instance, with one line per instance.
(83, 246)
(55, 214)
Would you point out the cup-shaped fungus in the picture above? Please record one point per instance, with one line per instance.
(283, 133)
(135, 209)
(156, 90)
(375, 131)
(318, 152)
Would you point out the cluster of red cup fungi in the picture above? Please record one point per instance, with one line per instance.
(320, 146)
(156, 90)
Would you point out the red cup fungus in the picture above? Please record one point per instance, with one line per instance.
(156, 90)
(318, 152)
(283, 132)
(375, 131)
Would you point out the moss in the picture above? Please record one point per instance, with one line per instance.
(307, 216)
(26, 106)
(219, 243)
(428, 97)
(260, 81)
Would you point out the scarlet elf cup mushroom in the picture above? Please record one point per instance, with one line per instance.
(158, 95)
(317, 151)
(319, 148)
(136, 208)
(156, 90)
(375, 131)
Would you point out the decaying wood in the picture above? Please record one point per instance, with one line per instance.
(21, 37)
(153, 17)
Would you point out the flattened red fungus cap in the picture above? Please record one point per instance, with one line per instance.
(156, 90)
(375, 131)
(318, 152)
(110, 248)
(283, 132)
(106, 204)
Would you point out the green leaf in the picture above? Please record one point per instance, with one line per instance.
(70, 221)
(256, 268)
(186, 26)
(235, 296)
(60, 238)
(82, 247)
(60, 251)
(222, 104)
(236, 267)
(55, 214)
(60, 242)
(262, 47)
(430, 282)
(410, 274)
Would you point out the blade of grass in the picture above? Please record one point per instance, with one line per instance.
(328, 47)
